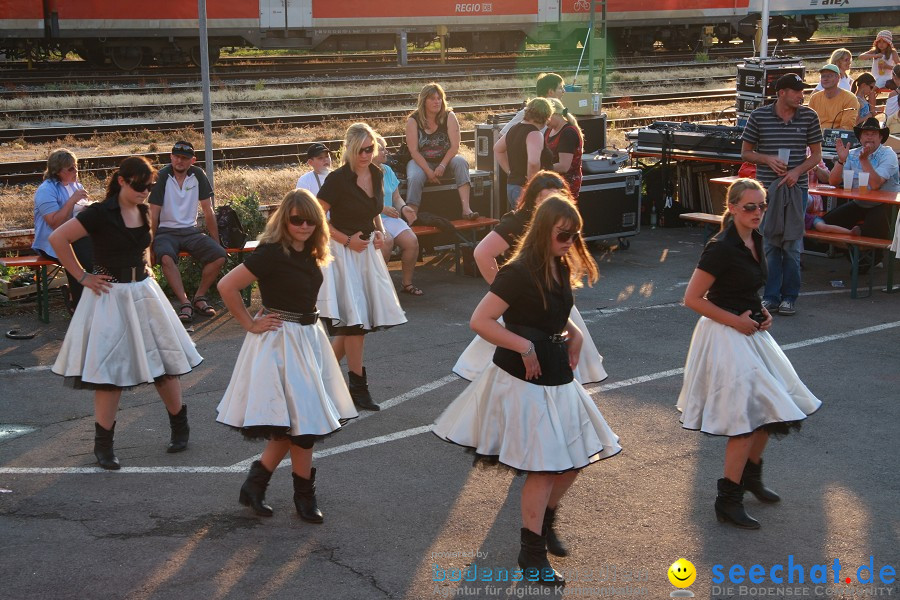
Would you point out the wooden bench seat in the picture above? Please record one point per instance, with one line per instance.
(853, 242)
(464, 228)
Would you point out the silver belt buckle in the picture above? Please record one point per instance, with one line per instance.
(558, 338)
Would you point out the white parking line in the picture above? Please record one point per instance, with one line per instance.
(423, 389)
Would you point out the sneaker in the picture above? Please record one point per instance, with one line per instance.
(786, 308)
(770, 306)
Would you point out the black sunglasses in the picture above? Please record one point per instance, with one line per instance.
(141, 187)
(300, 221)
(752, 208)
(563, 237)
(367, 149)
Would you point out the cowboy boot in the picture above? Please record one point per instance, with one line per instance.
(180, 430)
(554, 544)
(253, 492)
(730, 505)
(305, 498)
(103, 447)
(359, 391)
(752, 482)
(533, 560)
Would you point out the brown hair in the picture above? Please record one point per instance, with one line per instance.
(735, 193)
(429, 90)
(134, 169)
(540, 181)
(864, 78)
(307, 207)
(534, 247)
(57, 161)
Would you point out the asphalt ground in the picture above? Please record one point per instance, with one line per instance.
(405, 513)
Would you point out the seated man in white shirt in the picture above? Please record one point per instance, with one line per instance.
(318, 157)
(181, 187)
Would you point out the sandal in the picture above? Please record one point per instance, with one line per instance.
(186, 313)
(205, 309)
(472, 216)
(411, 290)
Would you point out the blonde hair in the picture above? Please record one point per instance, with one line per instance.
(839, 54)
(538, 110)
(57, 161)
(560, 109)
(534, 247)
(305, 205)
(735, 193)
(353, 141)
(429, 90)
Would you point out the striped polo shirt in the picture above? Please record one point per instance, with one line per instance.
(769, 132)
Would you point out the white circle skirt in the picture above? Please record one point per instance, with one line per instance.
(528, 427)
(126, 337)
(357, 290)
(287, 379)
(480, 353)
(735, 383)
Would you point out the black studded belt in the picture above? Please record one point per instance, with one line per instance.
(123, 275)
(293, 317)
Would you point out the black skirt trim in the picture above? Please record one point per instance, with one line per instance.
(335, 330)
(257, 433)
(77, 383)
(778, 430)
(492, 461)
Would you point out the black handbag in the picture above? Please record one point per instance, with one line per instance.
(231, 232)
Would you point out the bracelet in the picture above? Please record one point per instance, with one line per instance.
(840, 162)
(347, 243)
(528, 352)
(83, 277)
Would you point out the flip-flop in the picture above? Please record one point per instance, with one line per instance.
(206, 310)
(472, 216)
(186, 313)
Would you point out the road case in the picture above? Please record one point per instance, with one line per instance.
(610, 205)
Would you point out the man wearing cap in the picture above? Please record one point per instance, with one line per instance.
(318, 157)
(180, 188)
(837, 108)
(784, 125)
(880, 162)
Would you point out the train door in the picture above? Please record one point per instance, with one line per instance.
(284, 14)
(548, 11)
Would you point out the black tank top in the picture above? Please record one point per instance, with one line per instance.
(517, 150)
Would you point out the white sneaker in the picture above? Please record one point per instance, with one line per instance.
(786, 308)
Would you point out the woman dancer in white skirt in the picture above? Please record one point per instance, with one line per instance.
(737, 381)
(286, 386)
(525, 410)
(126, 332)
(357, 296)
(506, 235)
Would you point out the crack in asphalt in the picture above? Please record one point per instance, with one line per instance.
(330, 557)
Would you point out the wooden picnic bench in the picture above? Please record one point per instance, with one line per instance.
(853, 243)
(466, 235)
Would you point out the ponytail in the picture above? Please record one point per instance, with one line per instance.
(135, 169)
(733, 196)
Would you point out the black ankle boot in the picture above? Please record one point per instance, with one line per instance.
(554, 544)
(103, 447)
(533, 560)
(730, 505)
(359, 391)
(253, 492)
(305, 498)
(752, 482)
(180, 431)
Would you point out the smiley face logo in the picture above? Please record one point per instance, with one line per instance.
(682, 573)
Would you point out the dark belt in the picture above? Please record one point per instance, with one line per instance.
(123, 275)
(755, 315)
(293, 317)
(537, 335)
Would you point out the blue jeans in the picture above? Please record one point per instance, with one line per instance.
(783, 262)
(513, 192)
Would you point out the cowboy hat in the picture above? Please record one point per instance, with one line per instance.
(872, 124)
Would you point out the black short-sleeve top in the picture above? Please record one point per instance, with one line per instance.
(516, 286)
(115, 245)
(738, 275)
(512, 225)
(288, 282)
(351, 209)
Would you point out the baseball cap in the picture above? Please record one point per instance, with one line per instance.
(790, 81)
(830, 67)
(183, 148)
(315, 150)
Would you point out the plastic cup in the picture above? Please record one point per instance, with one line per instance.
(784, 155)
(863, 181)
(848, 179)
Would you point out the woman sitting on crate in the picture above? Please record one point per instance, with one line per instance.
(564, 140)
(54, 204)
(506, 236)
(432, 135)
(521, 152)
